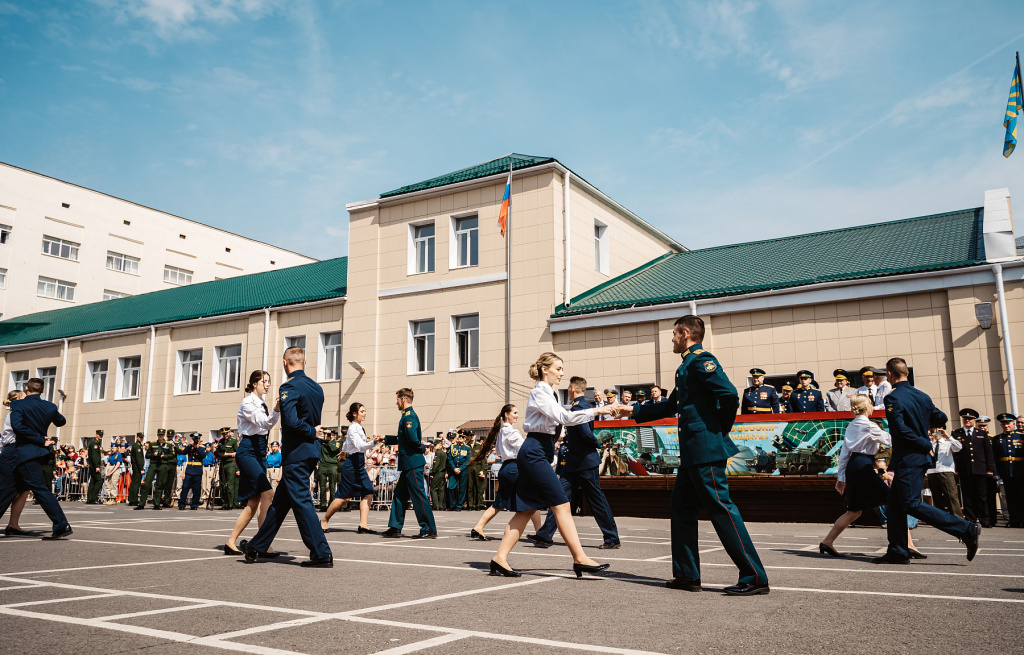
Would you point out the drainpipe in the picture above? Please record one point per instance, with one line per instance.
(149, 377)
(567, 292)
(1004, 325)
(63, 378)
(266, 336)
(693, 307)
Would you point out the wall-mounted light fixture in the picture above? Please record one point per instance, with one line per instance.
(357, 366)
(983, 311)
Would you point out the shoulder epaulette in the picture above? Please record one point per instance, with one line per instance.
(698, 351)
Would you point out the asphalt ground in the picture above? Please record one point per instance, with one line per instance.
(154, 582)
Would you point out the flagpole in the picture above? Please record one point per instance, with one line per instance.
(508, 291)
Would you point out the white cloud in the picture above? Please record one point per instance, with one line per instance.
(184, 19)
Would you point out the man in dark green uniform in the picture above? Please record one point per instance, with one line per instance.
(138, 462)
(477, 478)
(706, 402)
(168, 471)
(95, 459)
(437, 480)
(328, 475)
(153, 453)
(228, 469)
(410, 485)
(458, 460)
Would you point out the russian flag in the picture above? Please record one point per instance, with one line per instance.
(506, 203)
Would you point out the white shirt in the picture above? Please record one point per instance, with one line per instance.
(944, 449)
(508, 442)
(862, 436)
(877, 394)
(356, 441)
(545, 414)
(252, 418)
(7, 436)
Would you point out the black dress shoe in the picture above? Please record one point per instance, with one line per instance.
(273, 555)
(391, 533)
(686, 584)
(60, 533)
(228, 550)
(891, 558)
(426, 535)
(498, 569)
(139, 507)
(250, 553)
(747, 589)
(916, 554)
(580, 569)
(14, 532)
(319, 563)
(362, 530)
(610, 545)
(540, 542)
(829, 550)
(157, 507)
(479, 536)
(971, 540)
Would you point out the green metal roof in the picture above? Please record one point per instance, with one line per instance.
(287, 286)
(926, 243)
(493, 167)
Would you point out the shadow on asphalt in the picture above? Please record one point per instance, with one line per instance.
(851, 557)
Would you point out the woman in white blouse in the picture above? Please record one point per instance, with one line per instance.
(254, 423)
(537, 486)
(8, 491)
(506, 441)
(353, 480)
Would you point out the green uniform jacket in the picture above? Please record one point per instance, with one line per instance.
(706, 402)
(228, 445)
(438, 467)
(170, 458)
(458, 458)
(474, 469)
(138, 459)
(153, 454)
(329, 453)
(95, 455)
(410, 442)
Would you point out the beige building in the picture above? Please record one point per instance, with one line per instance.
(63, 245)
(420, 302)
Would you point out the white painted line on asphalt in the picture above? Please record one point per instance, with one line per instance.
(885, 571)
(62, 600)
(21, 586)
(135, 545)
(429, 566)
(426, 643)
(899, 594)
(131, 615)
(107, 566)
(659, 558)
(845, 537)
(706, 550)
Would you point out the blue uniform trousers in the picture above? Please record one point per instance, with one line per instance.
(457, 496)
(904, 499)
(193, 481)
(29, 475)
(411, 485)
(705, 486)
(589, 481)
(293, 494)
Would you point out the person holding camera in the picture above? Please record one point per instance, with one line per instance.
(410, 485)
(192, 481)
(942, 478)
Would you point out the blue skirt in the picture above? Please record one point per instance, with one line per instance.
(505, 495)
(864, 488)
(537, 486)
(252, 472)
(354, 481)
(8, 461)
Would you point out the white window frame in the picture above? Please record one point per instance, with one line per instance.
(122, 263)
(132, 371)
(96, 374)
(109, 294)
(325, 354)
(431, 345)
(600, 247)
(413, 269)
(179, 277)
(16, 383)
(5, 234)
(49, 381)
(455, 236)
(455, 362)
(60, 245)
(223, 365)
(193, 374)
(61, 289)
(3, 278)
(295, 340)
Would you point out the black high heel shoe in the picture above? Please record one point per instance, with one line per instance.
(498, 569)
(916, 554)
(228, 550)
(473, 534)
(362, 530)
(829, 550)
(580, 569)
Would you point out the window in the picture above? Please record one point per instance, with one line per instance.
(18, 380)
(3, 278)
(331, 356)
(60, 248)
(49, 378)
(114, 295)
(422, 347)
(129, 371)
(295, 342)
(466, 241)
(190, 371)
(422, 248)
(96, 381)
(59, 289)
(178, 276)
(467, 341)
(5, 234)
(229, 367)
(600, 247)
(123, 263)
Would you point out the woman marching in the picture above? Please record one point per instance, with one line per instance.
(506, 441)
(11, 493)
(254, 423)
(858, 481)
(537, 487)
(353, 481)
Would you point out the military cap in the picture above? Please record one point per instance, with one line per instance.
(610, 394)
(161, 431)
(195, 434)
(139, 435)
(99, 432)
(879, 371)
(867, 370)
(840, 376)
(225, 430)
(836, 373)
(641, 393)
(170, 432)
(967, 412)
(787, 387)
(804, 374)
(1006, 417)
(610, 390)
(985, 419)
(757, 371)
(275, 443)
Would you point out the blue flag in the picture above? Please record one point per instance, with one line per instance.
(1013, 108)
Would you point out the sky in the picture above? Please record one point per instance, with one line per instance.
(717, 122)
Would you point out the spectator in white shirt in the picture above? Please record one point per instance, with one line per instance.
(869, 388)
(881, 381)
(942, 478)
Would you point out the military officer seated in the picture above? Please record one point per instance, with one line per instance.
(806, 398)
(759, 398)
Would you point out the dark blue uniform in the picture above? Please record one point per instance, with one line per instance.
(579, 463)
(30, 419)
(760, 400)
(706, 402)
(411, 484)
(807, 400)
(458, 458)
(193, 480)
(910, 413)
(1008, 449)
(302, 401)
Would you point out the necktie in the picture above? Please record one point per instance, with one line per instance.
(558, 429)
(265, 410)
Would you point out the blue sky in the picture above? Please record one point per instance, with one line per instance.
(716, 121)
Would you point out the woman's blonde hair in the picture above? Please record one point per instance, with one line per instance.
(12, 396)
(860, 405)
(544, 361)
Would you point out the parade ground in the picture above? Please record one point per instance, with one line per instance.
(129, 582)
